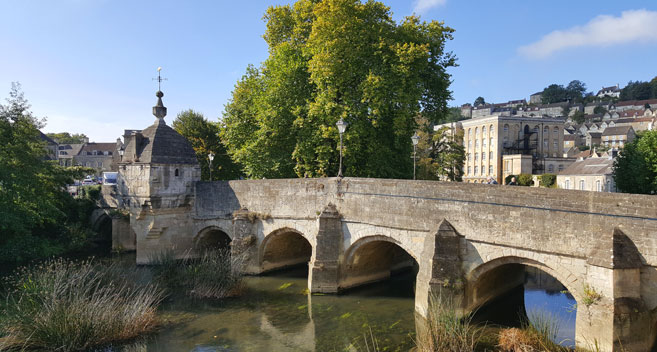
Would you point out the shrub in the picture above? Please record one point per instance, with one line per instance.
(446, 331)
(508, 179)
(525, 180)
(548, 180)
(71, 306)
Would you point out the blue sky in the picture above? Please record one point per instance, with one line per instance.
(87, 65)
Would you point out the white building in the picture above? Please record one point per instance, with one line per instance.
(592, 174)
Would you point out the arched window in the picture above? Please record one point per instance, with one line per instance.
(483, 131)
(581, 185)
(476, 157)
(546, 130)
(476, 143)
(555, 144)
(469, 155)
(567, 184)
(470, 143)
(469, 133)
(505, 142)
(536, 128)
(506, 128)
(476, 170)
(476, 132)
(490, 169)
(556, 131)
(483, 143)
(483, 170)
(491, 130)
(483, 156)
(490, 155)
(176, 173)
(545, 143)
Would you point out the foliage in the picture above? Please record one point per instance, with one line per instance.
(578, 116)
(67, 306)
(204, 138)
(508, 178)
(67, 138)
(215, 274)
(556, 93)
(637, 91)
(440, 154)
(548, 180)
(479, 101)
(590, 295)
(525, 180)
(583, 147)
(538, 333)
(599, 110)
(38, 215)
(454, 115)
(330, 60)
(635, 169)
(653, 87)
(446, 331)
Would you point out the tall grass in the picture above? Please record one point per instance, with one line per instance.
(446, 330)
(215, 274)
(73, 306)
(538, 333)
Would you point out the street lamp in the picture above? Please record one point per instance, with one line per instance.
(210, 158)
(415, 139)
(342, 126)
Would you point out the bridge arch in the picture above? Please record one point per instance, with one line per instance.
(212, 238)
(284, 247)
(374, 258)
(563, 275)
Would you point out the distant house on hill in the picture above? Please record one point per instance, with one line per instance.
(536, 98)
(592, 174)
(67, 154)
(616, 137)
(97, 156)
(613, 91)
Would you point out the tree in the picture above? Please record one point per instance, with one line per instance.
(600, 110)
(204, 138)
(554, 93)
(37, 212)
(479, 101)
(653, 88)
(440, 153)
(635, 169)
(338, 59)
(578, 116)
(575, 91)
(636, 91)
(67, 138)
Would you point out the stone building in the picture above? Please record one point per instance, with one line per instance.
(613, 91)
(616, 137)
(487, 140)
(68, 152)
(592, 174)
(96, 155)
(536, 98)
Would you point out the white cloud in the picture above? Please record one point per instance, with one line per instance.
(422, 6)
(602, 31)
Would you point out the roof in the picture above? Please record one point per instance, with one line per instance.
(591, 166)
(637, 102)
(159, 144)
(537, 93)
(89, 148)
(46, 138)
(69, 149)
(617, 131)
(569, 137)
(632, 112)
(595, 134)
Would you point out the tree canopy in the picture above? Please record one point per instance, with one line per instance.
(635, 169)
(204, 138)
(36, 209)
(574, 92)
(479, 101)
(637, 91)
(67, 138)
(337, 59)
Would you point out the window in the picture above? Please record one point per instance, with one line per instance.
(506, 128)
(598, 186)
(483, 170)
(505, 142)
(88, 164)
(469, 133)
(560, 168)
(176, 173)
(567, 184)
(483, 156)
(490, 155)
(555, 144)
(476, 171)
(491, 130)
(556, 131)
(470, 143)
(546, 130)
(491, 142)
(476, 156)
(550, 168)
(476, 143)
(545, 143)
(483, 131)
(476, 132)
(608, 186)
(469, 170)
(490, 170)
(469, 155)
(99, 164)
(483, 143)
(581, 185)
(536, 128)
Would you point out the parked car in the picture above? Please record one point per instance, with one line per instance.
(88, 182)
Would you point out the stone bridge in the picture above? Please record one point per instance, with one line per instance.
(470, 242)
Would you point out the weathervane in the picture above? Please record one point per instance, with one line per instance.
(159, 78)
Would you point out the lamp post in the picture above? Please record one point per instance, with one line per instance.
(210, 158)
(342, 126)
(415, 139)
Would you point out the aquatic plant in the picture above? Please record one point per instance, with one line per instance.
(214, 274)
(446, 330)
(64, 305)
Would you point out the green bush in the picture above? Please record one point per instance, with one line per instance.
(508, 179)
(548, 180)
(63, 305)
(525, 180)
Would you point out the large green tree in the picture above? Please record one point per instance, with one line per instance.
(635, 169)
(636, 91)
(337, 59)
(204, 138)
(67, 138)
(440, 153)
(554, 93)
(37, 212)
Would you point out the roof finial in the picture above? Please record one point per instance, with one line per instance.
(159, 110)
